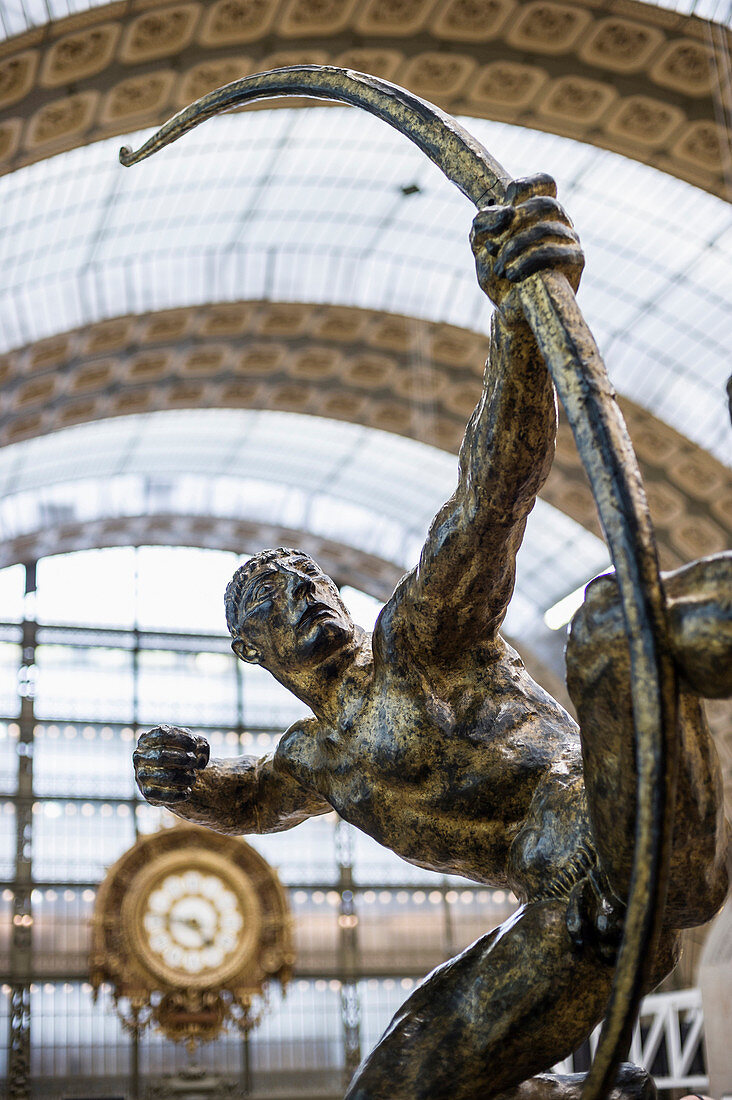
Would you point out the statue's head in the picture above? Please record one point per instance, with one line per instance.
(283, 612)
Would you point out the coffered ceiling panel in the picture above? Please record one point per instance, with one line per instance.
(648, 80)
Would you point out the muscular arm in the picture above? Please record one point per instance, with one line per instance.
(459, 592)
(244, 794)
(466, 570)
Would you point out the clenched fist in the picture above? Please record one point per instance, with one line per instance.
(167, 761)
(530, 233)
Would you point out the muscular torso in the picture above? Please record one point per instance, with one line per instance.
(476, 774)
(447, 752)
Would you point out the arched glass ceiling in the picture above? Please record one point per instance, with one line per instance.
(365, 488)
(309, 206)
(17, 16)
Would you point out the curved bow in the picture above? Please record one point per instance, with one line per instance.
(606, 452)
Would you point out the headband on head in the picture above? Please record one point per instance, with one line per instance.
(237, 584)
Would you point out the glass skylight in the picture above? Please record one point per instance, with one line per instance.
(83, 239)
(276, 468)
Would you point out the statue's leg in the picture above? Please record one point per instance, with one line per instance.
(699, 602)
(518, 1000)
(699, 606)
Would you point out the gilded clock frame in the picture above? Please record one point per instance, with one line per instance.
(144, 986)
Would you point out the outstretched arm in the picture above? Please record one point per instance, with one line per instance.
(459, 592)
(244, 794)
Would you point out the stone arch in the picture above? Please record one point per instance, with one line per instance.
(345, 364)
(641, 80)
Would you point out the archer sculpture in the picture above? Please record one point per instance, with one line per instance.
(432, 738)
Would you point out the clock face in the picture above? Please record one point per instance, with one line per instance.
(194, 918)
(190, 928)
(193, 921)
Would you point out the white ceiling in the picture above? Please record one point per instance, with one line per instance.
(358, 486)
(307, 205)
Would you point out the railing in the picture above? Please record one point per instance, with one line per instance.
(667, 1041)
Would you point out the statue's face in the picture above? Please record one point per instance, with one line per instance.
(290, 613)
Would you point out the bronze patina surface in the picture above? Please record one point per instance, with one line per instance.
(432, 738)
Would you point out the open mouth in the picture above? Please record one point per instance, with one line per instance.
(313, 613)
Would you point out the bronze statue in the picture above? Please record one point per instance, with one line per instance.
(432, 738)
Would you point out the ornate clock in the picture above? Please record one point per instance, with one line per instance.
(189, 929)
